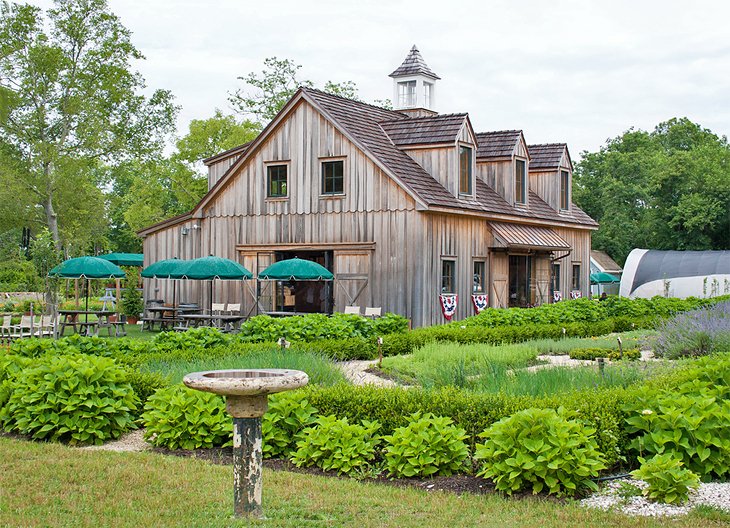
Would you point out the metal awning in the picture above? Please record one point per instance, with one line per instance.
(516, 236)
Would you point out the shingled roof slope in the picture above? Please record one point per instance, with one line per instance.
(363, 121)
(424, 130)
(546, 156)
(499, 144)
(413, 65)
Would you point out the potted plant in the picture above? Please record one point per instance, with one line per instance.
(132, 304)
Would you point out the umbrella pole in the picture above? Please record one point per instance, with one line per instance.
(211, 296)
(86, 315)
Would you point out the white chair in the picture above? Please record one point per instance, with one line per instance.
(373, 312)
(233, 308)
(218, 307)
(26, 328)
(5, 330)
(352, 310)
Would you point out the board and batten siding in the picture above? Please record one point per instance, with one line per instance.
(546, 184)
(217, 169)
(580, 242)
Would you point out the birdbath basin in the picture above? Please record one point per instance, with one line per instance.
(246, 393)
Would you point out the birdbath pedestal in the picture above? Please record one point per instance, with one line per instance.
(246, 393)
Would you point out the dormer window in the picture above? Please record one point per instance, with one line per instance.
(564, 190)
(465, 175)
(407, 94)
(520, 182)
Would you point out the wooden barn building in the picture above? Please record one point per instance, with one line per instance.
(401, 205)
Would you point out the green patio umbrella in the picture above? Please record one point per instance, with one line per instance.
(87, 268)
(212, 268)
(604, 278)
(125, 259)
(296, 269)
(166, 269)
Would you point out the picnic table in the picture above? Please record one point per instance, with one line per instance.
(227, 322)
(86, 327)
(159, 315)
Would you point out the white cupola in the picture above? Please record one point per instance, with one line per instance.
(413, 83)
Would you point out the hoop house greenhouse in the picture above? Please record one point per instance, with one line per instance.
(681, 274)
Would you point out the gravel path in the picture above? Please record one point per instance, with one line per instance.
(356, 372)
(132, 441)
(715, 494)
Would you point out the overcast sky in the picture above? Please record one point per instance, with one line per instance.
(574, 71)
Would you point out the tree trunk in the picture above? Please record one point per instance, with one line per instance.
(52, 219)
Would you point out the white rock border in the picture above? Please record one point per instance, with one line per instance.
(716, 494)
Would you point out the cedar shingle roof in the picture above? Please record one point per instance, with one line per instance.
(414, 65)
(500, 144)
(604, 261)
(424, 130)
(546, 156)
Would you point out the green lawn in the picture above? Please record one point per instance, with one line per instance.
(52, 485)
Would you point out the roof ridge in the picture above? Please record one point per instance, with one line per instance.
(317, 90)
(516, 130)
(547, 145)
(437, 116)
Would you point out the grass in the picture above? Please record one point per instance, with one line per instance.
(51, 485)
(438, 364)
(486, 368)
(557, 347)
(321, 370)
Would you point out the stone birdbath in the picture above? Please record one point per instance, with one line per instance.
(246, 393)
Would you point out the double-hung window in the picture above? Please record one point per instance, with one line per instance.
(333, 177)
(576, 277)
(520, 182)
(564, 190)
(479, 279)
(448, 276)
(276, 185)
(465, 177)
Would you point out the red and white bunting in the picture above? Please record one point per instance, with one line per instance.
(448, 304)
(480, 301)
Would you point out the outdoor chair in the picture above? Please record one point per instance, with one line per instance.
(120, 326)
(233, 308)
(5, 330)
(26, 328)
(373, 312)
(45, 329)
(352, 310)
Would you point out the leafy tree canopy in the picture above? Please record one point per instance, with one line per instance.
(70, 103)
(666, 189)
(275, 85)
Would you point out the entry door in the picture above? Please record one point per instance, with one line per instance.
(520, 292)
(305, 296)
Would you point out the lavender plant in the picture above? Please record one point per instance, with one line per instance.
(696, 333)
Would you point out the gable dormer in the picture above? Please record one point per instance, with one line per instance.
(503, 163)
(551, 174)
(414, 86)
(444, 145)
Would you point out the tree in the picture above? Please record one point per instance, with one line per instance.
(275, 85)
(70, 104)
(668, 189)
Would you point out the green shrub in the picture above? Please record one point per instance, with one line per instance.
(631, 354)
(540, 449)
(429, 445)
(691, 421)
(667, 480)
(336, 444)
(283, 423)
(132, 303)
(145, 384)
(182, 418)
(195, 338)
(340, 349)
(74, 398)
(602, 409)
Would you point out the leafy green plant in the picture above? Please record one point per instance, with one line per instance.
(631, 354)
(283, 423)
(73, 398)
(667, 480)
(691, 421)
(181, 418)
(336, 444)
(626, 490)
(193, 338)
(429, 445)
(132, 303)
(145, 384)
(540, 449)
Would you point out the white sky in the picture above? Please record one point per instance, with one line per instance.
(561, 70)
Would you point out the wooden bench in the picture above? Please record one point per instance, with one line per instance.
(88, 328)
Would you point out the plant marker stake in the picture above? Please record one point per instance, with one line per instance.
(380, 352)
(601, 365)
(620, 348)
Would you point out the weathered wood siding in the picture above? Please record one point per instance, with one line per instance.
(580, 241)
(442, 163)
(218, 169)
(546, 184)
(500, 176)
